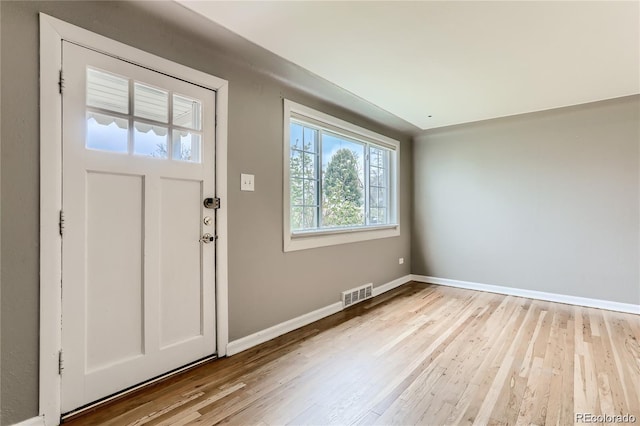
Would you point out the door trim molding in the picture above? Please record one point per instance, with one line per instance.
(34, 421)
(52, 32)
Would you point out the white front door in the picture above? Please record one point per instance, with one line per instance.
(138, 290)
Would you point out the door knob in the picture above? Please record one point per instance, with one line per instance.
(207, 238)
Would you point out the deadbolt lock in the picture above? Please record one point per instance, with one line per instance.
(212, 203)
(207, 238)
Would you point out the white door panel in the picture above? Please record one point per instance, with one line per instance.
(179, 259)
(115, 205)
(138, 284)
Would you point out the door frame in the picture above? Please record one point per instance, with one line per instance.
(52, 32)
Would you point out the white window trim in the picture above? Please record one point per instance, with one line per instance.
(302, 240)
(52, 32)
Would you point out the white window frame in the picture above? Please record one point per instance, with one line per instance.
(306, 239)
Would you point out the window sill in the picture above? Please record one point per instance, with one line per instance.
(329, 237)
(333, 231)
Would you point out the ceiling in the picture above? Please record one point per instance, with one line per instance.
(436, 64)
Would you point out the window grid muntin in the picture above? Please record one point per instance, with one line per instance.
(304, 153)
(197, 118)
(368, 146)
(131, 117)
(380, 164)
(320, 187)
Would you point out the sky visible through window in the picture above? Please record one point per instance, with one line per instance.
(106, 137)
(113, 138)
(330, 145)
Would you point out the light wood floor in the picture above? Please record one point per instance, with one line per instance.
(420, 354)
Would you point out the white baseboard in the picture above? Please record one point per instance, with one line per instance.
(34, 421)
(391, 285)
(265, 335)
(244, 343)
(533, 294)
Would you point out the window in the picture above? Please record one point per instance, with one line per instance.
(147, 130)
(341, 181)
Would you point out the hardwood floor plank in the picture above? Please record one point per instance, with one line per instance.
(465, 357)
(567, 413)
(368, 419)
(502, 401)
(402, 380)
(153, 415)
(179, 420)
(550, 409)
(494, 349)
(626, 376)
(419, 354)
(534, 407)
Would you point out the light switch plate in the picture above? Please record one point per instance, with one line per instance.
(246, 182)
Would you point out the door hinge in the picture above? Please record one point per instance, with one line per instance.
(60, 362)
(60, 82)
(61, 222)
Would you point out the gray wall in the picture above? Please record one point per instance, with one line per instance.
(546, 201)
(0, 221)
(19, 219)
(266, 286)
